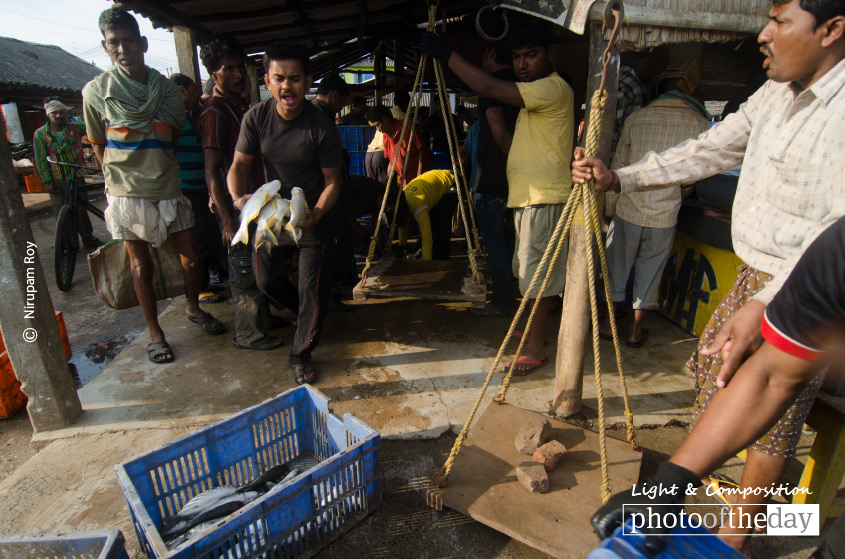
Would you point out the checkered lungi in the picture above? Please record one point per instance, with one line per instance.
(782, 439)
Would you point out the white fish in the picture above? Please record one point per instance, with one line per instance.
(298, 214)
(253, 207)
(264, 223)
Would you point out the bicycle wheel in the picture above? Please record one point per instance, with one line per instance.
(65, 247)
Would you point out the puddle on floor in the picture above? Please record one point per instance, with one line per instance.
(91, 357)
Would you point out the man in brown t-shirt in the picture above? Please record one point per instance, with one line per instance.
(220, 123)
(300, 146)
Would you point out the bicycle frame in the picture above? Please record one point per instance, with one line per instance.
(72, 189)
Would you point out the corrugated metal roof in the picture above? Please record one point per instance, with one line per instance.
(48, 67)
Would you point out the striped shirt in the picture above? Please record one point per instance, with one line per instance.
(190, 157)
(791, 144)
(631, 95)
(661, 125)
(135, 164)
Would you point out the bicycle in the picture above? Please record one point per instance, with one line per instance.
(66, 240)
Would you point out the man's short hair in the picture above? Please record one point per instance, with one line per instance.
(401, 99)
(218, 48)
(359, 100)
(333, 82)
(379, 113)
(822, 10)
(502, 51)
(118, 18)
(530, 32)
(287, 51)
(181, 80)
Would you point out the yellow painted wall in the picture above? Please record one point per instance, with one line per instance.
(696, 278)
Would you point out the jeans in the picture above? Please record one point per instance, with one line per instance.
(207, 232)
(497, 235)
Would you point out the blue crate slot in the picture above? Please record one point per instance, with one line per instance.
(356, 138)
(441, 160)
(96, 544)
(687, 543)
(295, 519)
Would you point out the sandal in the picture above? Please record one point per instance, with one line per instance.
(643, 338)
(301, 373)
(210, 297)
(159, 352)
(718, 483)
(535, 364)
(208, 323)
(267, 343)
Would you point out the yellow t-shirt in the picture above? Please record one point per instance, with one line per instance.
(538, 163)
(428, 188)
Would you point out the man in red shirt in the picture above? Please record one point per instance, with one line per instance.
(420, 159)
(220, 124)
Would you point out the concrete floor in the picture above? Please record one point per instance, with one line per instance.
(410, 369)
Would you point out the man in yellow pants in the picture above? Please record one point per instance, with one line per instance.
(423, 194)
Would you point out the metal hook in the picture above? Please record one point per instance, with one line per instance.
(481, 32)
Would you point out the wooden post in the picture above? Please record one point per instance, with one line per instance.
(252, 72)
(569, 364)
(399, 64)
(27, 319)
(186, 53)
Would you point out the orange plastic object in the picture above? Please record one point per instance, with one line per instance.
(63, 333)
(34, 183)
(11, 397)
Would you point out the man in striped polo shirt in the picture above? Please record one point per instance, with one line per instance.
(192, 177)
(132, 114)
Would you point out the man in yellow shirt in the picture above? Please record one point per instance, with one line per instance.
(433, 212)
(538, 172)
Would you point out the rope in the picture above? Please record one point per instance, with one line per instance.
(473, 236)
(581, 195)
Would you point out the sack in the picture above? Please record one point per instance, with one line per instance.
(111, 270)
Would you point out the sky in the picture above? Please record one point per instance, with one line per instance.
(72, 25)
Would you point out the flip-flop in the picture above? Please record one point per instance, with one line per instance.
(606, 337)
(300, 371)
(535, 364)
(486, 310)
(208, 323)
(267, 343)
(640, 343)
(719, 482)
(210, 297)
(155, 351)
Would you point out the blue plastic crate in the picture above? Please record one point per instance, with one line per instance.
(356, 138)
(293, 520)
(357, 164)
(690, 543)
(97, 544)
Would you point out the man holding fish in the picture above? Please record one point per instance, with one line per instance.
(300, 147)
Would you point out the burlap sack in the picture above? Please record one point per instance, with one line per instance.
(112, 274)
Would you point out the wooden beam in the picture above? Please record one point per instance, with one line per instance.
(646, 16)
(27, 318)
(186, 53)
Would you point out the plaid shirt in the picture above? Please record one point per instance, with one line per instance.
(791, 144)
(631, 95)
(661, 125)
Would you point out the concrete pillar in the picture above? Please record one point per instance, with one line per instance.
(252, 72)
(186, 53)
(574, 326)
(27, 319)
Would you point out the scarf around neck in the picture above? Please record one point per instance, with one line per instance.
(124, 102)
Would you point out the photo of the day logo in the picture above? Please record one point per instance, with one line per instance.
(778, 520)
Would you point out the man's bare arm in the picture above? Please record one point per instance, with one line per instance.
(327, 199)
(758, 395)
(217, 191)
(496, 120)
(483, 83)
